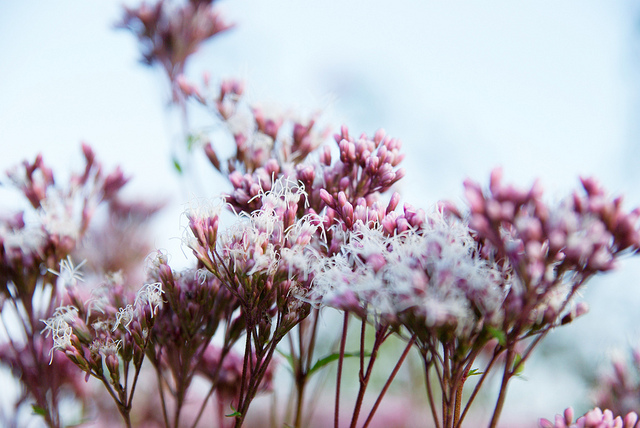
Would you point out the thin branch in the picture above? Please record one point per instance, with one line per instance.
(388, 383)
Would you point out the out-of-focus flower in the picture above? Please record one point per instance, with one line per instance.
(618, 388)
(170, 32)
(595, 418)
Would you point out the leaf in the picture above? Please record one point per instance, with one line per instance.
(234, 414)
(517, 363)
(498, 334)
(192, 140)
(474, 372)
(177, 166)
(37, 410)
(287, 357)
(332, 357)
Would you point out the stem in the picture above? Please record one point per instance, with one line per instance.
(312, 341)
(221, 418)
(456, 411)
(245, 369)
(388, 383)
(432, 404)
(343, 341)
(119, 404)
(477, 387)
(503, 388)
(300, 372)
(214, 383)
(446, 389)
(161, 390)
(257, 372)
(300, 400)
(364, 377)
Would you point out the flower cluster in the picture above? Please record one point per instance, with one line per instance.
(365, 168)
(428, 278)
(551, 251)
(595, 418)
(56, 218)
(197, 307)
(264, 262)
(474, 290)
(618, 388)
(262, 136)
(170, 33)
(34, 245)
(107, 334)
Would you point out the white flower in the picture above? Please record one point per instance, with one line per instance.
(252, 241)
(99, 299)
(30, 239)
(433, 271)
(102, 326)
(106, 347)
(125, 317)
(202, 275)
(60, 217)
(69, 274)
(59, 328)
(150, 294)
(282, 194)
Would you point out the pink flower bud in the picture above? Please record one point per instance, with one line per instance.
(344, 184)
(630, 420)
(379, 136)
(327, 198)
(187, 88)
(545, 423)
(325, 156)
(568, 415)
(393, 202)
(495, 180)
(475, 198)
(212, 156)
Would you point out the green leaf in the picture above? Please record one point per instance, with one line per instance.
(332, 357)
(287, 357)
(520, 366)
(474, 372)
(192, 139)
(234, 414)
(177, 166)
(498, 334)
(37, 410)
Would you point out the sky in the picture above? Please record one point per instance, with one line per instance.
(544, 89)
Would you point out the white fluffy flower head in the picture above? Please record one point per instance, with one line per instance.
(69, 274)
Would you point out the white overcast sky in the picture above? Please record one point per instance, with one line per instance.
(544, 88)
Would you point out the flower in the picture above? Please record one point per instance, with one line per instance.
(432, 272)
(69, 274)
(595, 418)
(151, 295)
(124, 316)
(60, 329)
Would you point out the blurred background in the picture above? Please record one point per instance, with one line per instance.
(544, 89)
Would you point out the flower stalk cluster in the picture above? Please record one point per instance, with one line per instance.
(35, 243)
(263, 262)
(196, 307)
(108, 341)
